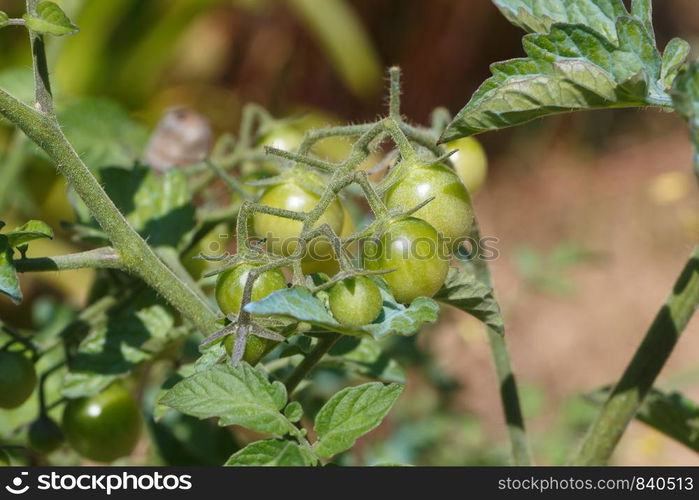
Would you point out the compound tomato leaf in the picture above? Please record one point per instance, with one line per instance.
(272, 453)
(9, 282)
(463, 290)
(351, 413)
(569, 67)
(236, 396)
(49, 19)
(32, 230)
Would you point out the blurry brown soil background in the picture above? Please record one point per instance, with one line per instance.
(595, 213)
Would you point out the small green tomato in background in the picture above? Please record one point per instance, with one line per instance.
(17, 379)
(229, 295)
(103, 427)
(450, 212)
(45, 436)
(282, 234)
(413, 249)
(355, 302)
(470, 162)
(280, 136)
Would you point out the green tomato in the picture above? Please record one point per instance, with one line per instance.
(103, 427)
(214, 243)
(280, 136)
(229, 295)
(231, 284)
(355, 302)
(450, 212)
(45, 436)
(413, 249)
(17, 379)
(282, 234)
(255, 348)
(330, 265)
(470, 162)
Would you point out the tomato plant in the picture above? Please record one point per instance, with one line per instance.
(246, 352)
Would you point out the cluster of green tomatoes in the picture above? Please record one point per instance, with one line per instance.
(102, 428)
(411, 252)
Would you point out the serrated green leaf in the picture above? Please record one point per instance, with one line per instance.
(570, 68)
(32, 230)
(464, 291)
(643, 11)
(293, 411)
(50, 19)
(9, 282)
(299, 303)
(537, 16)
(103, 133)
(4, 18)
(670, 413)
(351, 413)
(272, 453)
(236, 396)
(674, 57)
(125, 338)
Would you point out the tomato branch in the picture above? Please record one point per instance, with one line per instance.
(99, 258)
(649, 359)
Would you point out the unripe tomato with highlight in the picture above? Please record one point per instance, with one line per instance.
(412, 248)
(450, 212)
(103, 427)
(17, 379)
(470, 162)
(355, 302)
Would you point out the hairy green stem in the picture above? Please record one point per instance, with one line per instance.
(509, 394)
(99, 258)
(649, 359)
(137, 257)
